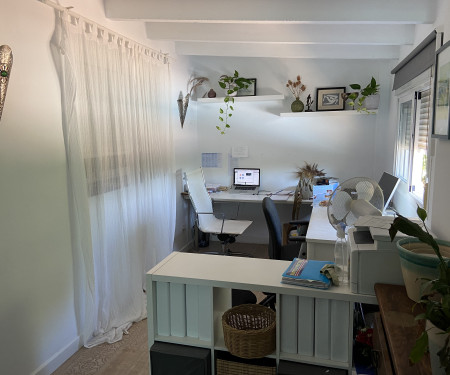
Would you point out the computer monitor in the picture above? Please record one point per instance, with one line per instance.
(246, 177)
(388, 184)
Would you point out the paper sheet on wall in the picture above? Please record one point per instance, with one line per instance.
(211, 160)
(239, 151)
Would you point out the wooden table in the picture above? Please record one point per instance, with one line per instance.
(401, 328)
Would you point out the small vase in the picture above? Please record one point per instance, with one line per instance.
(297, 105)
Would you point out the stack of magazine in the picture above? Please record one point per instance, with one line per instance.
(304, 272)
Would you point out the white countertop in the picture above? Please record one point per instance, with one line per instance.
(241, 273)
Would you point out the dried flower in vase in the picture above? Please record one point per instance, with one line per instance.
(296, 87)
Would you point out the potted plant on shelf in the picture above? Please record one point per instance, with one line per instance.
(436, 301)
(296, 87)
(364, 99)
(304, 188)
(232, 84)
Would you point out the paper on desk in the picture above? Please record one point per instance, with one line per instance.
(279, 197)
(382, 222)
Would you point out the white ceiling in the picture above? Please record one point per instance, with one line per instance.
(368, 29)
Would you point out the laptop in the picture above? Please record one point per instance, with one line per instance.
(246, 180)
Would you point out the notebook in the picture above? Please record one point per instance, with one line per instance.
(246, 180)
(305, 272)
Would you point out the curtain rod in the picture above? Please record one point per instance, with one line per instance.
(67, 9)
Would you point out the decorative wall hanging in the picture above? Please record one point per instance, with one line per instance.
(183, 104)
(6, 61)
(330, 99)
(441, 112)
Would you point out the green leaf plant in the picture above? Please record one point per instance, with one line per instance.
(231, 84)
(437, 302)
(358, 97)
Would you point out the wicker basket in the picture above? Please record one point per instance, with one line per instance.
(249, 331)
(236, 368)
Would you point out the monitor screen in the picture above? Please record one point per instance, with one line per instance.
(388, 183)
(246, 176)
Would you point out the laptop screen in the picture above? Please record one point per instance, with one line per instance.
(246, 176)
(388, 184)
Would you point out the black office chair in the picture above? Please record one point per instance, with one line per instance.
(279, 249)
(292, 245)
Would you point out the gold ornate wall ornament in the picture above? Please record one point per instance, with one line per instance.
(6, 61)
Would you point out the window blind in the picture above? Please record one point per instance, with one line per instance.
(424, 118)
(419, 60)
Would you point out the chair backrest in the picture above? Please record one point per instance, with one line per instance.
(274, 226)
(201, 201)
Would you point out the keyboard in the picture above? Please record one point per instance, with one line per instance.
(244, 188)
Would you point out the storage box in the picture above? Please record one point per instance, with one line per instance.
(169, 358)
(227, 364)
(294, 368)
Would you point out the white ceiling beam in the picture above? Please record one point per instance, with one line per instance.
(304, 51)
(409, 11)
(282, 33)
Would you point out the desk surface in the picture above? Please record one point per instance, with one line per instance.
(320, 230)
(401, 328)
(226, 196)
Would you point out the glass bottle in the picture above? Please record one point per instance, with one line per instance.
(341, 256)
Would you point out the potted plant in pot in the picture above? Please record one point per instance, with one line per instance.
(364, 99)
(436, 301)
(304, 188)
(232, 84)
(296, 88)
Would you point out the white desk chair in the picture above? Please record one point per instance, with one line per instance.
(225, 230)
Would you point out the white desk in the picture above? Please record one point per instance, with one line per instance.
(249, 207)
(226, 196)
(187, 295)
(321, 236)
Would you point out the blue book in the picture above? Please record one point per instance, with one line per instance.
(306, 272)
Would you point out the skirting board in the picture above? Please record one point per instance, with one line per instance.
(56, 360)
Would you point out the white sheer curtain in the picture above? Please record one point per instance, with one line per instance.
(115, 100)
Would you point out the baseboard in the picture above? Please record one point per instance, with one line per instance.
(49, 366)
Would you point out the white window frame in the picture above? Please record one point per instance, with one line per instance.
(409, 92)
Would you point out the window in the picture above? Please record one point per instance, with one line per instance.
(412, 140)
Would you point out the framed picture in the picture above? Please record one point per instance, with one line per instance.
(330, 99)
(441, 105)
(250, 91)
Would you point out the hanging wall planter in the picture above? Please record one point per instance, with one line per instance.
(6, 61)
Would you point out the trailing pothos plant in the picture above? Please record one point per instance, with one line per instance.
(231, 84)
(437, 302)
(358, 97)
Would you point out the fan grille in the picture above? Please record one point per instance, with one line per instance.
(353, 198)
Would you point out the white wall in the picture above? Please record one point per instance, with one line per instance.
(440, 203)
(344, 146)
(37, 312)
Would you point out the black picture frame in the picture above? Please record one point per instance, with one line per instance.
(441, 98)
(330, 99)
(250, 91)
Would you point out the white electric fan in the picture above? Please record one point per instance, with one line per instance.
(353, 198)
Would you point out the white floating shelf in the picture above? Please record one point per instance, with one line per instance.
(263, 95)
(325, 113)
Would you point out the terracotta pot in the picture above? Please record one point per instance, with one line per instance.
(418, 261)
